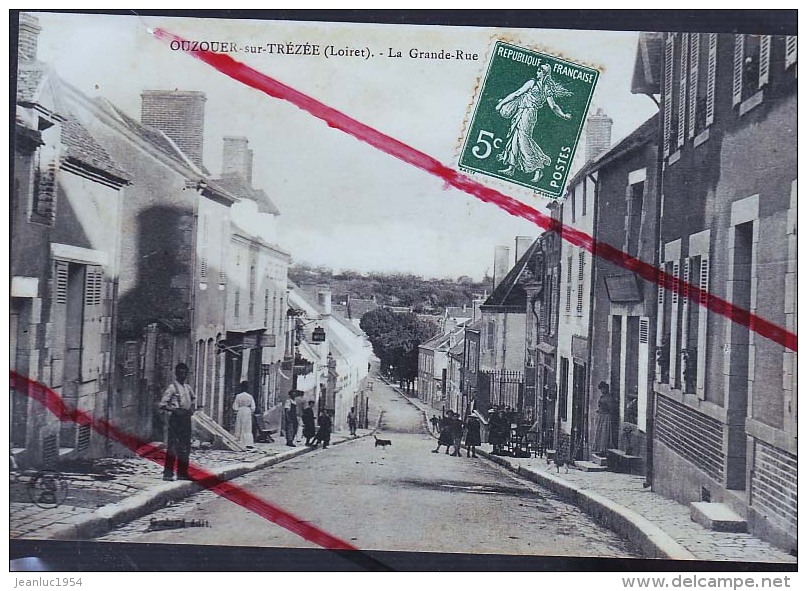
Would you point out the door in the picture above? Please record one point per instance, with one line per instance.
(578, 410)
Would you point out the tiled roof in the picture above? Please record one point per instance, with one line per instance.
(510, 293)
(240, 188)
(81, 146)
(154, 136)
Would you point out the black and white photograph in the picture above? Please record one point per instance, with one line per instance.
(257, 305)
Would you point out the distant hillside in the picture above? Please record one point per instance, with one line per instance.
(422, 295)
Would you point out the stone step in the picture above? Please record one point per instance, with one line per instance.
(717, 517)
(589, 466)
(598, 459)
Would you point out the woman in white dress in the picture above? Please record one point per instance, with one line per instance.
(244, 406)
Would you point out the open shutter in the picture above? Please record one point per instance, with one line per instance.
(683, 81)
(737, 80)
(702, 327)
(92, 325)
(711, 77)
(58, 316)
(203, 263)
(764, 59)
(644, 360)
(668, 90)
(791, 45)
(694, 64)
(676, 284)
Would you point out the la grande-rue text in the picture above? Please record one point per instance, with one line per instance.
(443, 54)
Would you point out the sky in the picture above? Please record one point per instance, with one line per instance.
(343, 203)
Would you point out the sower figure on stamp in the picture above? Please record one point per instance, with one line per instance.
(521, 151)
(180, 402)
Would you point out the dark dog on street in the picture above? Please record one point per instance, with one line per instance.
(560, 462)
(381, 442)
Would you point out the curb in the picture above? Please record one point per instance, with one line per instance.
(639, 531)
(106, 518)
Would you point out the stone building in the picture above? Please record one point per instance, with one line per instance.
(725, 412)
(65, 214)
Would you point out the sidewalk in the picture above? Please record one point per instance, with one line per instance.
(118, 490)
(659, 526)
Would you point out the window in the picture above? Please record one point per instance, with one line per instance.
(266, 309)
(237, 304)
(569, 269)
(683, 79)
(563, 389)
(572, 195)
(791, 44)
(252, 285)
(43, 203)
(633, 217)
(581, 262)
(568, 299)
(669, 54)
(583, 198)
(579, 310)
(203, 250)
(491, 335)
(752, 57)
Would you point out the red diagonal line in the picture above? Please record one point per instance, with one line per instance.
(54, 403)
(338, 120)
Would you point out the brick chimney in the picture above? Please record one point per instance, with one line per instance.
(28, 37)
(324, 301)
(598, 134)
(501, 264)
(237, 158)
(180, 114)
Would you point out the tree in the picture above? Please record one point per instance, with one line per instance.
(395, 338)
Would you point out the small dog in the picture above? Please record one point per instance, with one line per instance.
(559, 461)
(381, 442)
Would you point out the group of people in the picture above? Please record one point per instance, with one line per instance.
(452, 430)
(314, 433)
(499, 429)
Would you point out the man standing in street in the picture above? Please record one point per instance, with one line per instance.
(352, 421)
(180, 402)
(290, 423)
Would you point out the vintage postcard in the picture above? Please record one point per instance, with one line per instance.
(479, 292)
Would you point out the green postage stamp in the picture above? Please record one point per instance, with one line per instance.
(528, 118)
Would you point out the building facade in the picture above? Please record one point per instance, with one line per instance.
(65, 212)
(725, 412)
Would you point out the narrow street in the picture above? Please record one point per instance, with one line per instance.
(396, 498)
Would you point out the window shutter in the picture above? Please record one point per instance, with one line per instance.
(704, 280)
(711, 77)
(203, 250)
(764, 59)
(579, 298)
(687, 275)
(581, 265)
(568, 298)
(569, 271)
(694, 64)
(737, 81)
(58, 315)
(683, 81)
(791, 44)
(675, 274)
(644, 331)
(92, 324)
(668, 90)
